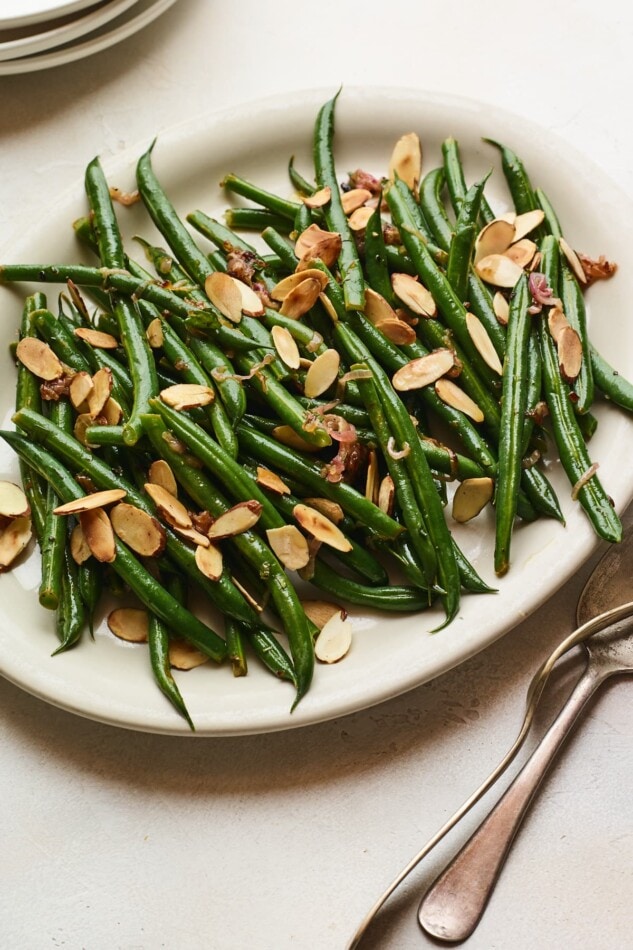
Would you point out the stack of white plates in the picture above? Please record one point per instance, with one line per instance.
(38, 34)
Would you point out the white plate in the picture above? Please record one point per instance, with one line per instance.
(64, 33)
(144, 13)
(110, 681)
(17, 13)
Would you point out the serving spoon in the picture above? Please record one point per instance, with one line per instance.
(454, 904)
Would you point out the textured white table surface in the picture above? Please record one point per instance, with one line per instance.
(112, 839)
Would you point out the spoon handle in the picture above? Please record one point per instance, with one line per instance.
(452, 907)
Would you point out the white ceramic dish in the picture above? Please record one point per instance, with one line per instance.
(65, 33)
(110, 681)
(137, 18)
(18, 13)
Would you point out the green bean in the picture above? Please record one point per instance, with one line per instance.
(393, 599)
(455, 181)
(376, 265)
(55, 535)
(462, 244)
(297, 180)
(89, 582)
(256, 219)
(517, 178)
(71, 612)
(158, 642)
(574, 309)
(269, 651)
(28, 396)
(235, 637)
(269, 200)
(480, 302)
(433, 208)
(610, 382)
(551, 220)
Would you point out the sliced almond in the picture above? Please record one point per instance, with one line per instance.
(316, 244)
(354, 198)
(111, 412)
(498, 270)
(525, 223)
(287, 436)
(569, 354)
(168, 505)
(239, 518)
(413, 294)
(522, 252)
(321, 527)
(320, 611)
(138, 529)
(13, 501)
(495, 238)
(129, 623)
(281, 290)
(209, 561)
(329, 307)
(322, 373)
(397, 331)
(79, 548)
(98, 499)
(471, 496)
(154, 333)
(556, 322)
(290, 546)
(190, 534)
(453, 396)
(83, 421)
(424, 370)
(184, 656)
(271, 481)
(223, 292)
(319, 199)
(483, 343)
(372, 478)
(252, 305)
(286, 347)
(501, 308)
(573, 260)
(387, 495)
(160, 473)
(359, 219)
(14, 539)
(302, 298)
(97, 338)
(331, 509)
(100, 392)
(38, 357)
(81, 386)
(98, 533)
(377, 308)
(334, 640)
(406, 160)
(187, 395)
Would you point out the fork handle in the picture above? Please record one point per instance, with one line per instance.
(453, 905)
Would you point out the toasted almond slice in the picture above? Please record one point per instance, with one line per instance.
(239, 518)
(498, 270)
(522, 252)
(329, 307)
(97, 338)
(573, 260)
(290, 546)
(184, 656)
(99, 535)
(302, 298)
(83, 421)
(406, 160)
(252, 305)
(495, 238)
(321, 527)
(209, 561)
(316, 244)
(527, 222)
(320, 611)
(569, 354)
(372, 477)
(556, 322)
(224, 294)
(187, 395)
(471, 496)
(138, 529)
(271, 481)
(98, 499)
(334, 640)
(424, 370)
(190, 534)
(14, 539)
(377, 307)
(101, 389)
(501, 308)
(287, 436)
(354, 198)
(81, 386)
(453, 396)
(111, 412)
(129, 623)
(359, 219)
(322, 373)
(331, 509)
(286, 346)
(168, 505)
(281, 290)
(397, 331)
(386, 495)
(319, 199)
(38, 357)
(483, 343)
(154, 333)
(160, 473)
(509, 216)
(413, 294)
(13, 501)
(79, 549)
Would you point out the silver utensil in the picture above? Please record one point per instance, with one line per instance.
(453, 905)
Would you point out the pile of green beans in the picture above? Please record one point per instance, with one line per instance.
(402, 556)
